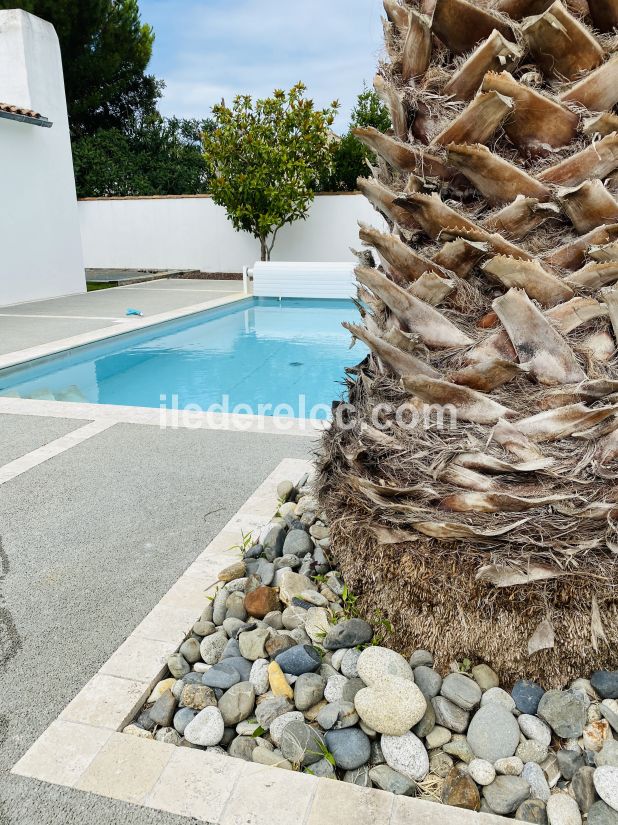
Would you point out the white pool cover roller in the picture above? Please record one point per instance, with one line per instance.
(282, 279)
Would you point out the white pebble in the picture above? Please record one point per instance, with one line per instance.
(605, 781)
(482, 771)
(499, 696)
(562, 809)
(535, 729)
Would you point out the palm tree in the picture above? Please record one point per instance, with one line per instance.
(490, 532)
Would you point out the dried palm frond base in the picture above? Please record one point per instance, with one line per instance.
(442, 595)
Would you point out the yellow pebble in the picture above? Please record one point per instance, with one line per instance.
(278, 682)
(160, 688)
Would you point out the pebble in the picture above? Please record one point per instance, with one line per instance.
(606, 784)
(421, 658)
(534, 776)
(440, 764)
(485, 677)
(159, 689)
(449, 715)
(351, 689)
(297, 543)
(211, 647)
(359, 777)
(252, 643)
(608, 755)
(506, 794)
(493, 733)
(278, 682)
(583, 788)
(350, 747)
(237, 703)
(178, 665)
(278, 725)
(273, 542)
(262, 601)
(135, 730)
(323, 769)
(427, 722)
(498, 696)
(392, 707)
(602, 814)
(242, 747)
(459, 748)
(206, 729)
(268, 710)
(438, 737)
(221, 675)
(562, 810)
(570, 762)
(564, 712)
(481, 771)
(532, 810)
(605, 682)
(531, 751)
(182, 718)
(274, 759)
(162, 712)
(204, 628)
(428, 681)
(308, 690)
(274, 620)
(168, 735)
(219, 606)
(376, 663)
(277, 644)
(392, 781)
(348, 634)
(460, 791)
(333, 691)
(349, 663)
(534, 728)
(461, 690)
(596, 734)
(292, 584)
(527, 696)
(511, 766)
(407, 755)
(258, 676)
(285, 491)
(317, 624)
(197, 697)
(299, 659)
(241, 665)
(300, 744)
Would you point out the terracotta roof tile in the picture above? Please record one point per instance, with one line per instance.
(20, 112)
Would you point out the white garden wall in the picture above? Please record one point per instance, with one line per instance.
(194, 233)
(40, 245)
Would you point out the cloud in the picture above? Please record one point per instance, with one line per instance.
(209, 49)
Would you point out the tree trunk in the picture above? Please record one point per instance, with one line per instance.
(264, 250)
(474, 535)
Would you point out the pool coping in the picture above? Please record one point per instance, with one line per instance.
(19, 358)
(83, 748)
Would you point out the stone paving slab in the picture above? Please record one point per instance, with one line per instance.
(205, 787)
(93, 539)
(20, 434)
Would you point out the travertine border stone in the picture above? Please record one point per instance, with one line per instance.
(84, 748)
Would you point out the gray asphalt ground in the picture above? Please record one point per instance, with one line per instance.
(91, 541)
(64, 317)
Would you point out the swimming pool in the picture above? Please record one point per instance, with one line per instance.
(260, 356)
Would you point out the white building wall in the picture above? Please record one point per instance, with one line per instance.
(40, 245)
(194, 233)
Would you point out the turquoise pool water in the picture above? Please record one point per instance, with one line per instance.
(287, 357)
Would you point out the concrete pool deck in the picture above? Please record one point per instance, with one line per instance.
(26, 326)
(91, 539)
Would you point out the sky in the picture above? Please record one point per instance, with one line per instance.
(206, 50)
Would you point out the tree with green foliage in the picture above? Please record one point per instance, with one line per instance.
(266, 159)
(105, 51)
(350, 157)
(158, 156)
